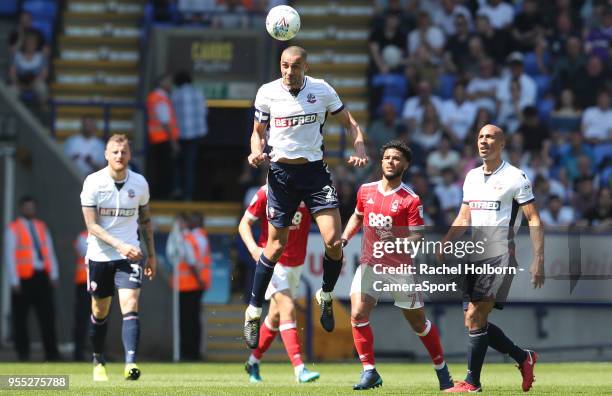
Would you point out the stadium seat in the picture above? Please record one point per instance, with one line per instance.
(545, 106)
(46, 28)
(393, 89)
(447, 85)
(543, 84)
(9, 7)
(41, 9)
(600, 152)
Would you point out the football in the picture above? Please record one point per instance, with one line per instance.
(283, 22)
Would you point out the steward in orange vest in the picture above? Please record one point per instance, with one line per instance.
(33, 274)
(197, 275)
(80, 248)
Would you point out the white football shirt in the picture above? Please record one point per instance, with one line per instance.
(494, 202)
(296, 122)
(117, 210)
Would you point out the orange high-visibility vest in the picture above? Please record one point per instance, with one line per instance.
(25, 249)
(187, 281)
(80, 272)
(157, 133)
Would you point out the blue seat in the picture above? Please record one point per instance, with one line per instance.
(45, 27)
(545, 107)
(447, 85)
(9, 7)
(41, 9)
(542, 84)
(394, 88)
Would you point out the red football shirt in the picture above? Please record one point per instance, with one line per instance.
(295, 251)
(398, 212)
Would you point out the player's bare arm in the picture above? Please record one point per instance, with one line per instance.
(244, 229)
(359, 159)
(352, 227)
(458, 228)
(258, 143)
(91, 220)
(536, 232)
(146, 232)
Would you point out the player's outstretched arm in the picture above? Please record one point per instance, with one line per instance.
(352, 227)
(360, 158)
(146, 232)
(258, 143)
(244, 229)
(536, 232)
(91, 220)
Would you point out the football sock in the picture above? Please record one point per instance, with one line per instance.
(331, 273)
(263, 274)
(289, 334)
(130, 334)
(97, 334)
(500, 342)
(477, 350)
(364, 343)
(431, 339)
(267, 334)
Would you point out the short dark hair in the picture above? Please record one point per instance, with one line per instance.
(26, 198)
(181, 78)
(398, 145)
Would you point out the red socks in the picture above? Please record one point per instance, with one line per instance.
(267, 334)
(431, 339)
(288, 331)
(364, 343)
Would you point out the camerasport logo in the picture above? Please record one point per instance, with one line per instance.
(485, 205)
(284, 122)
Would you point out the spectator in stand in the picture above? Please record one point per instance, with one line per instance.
(432, 215)
(191, 114)
(538, 164)
(511, 110)
(556, 214)
(457, 46)
(449, 194)
(533, 130)
(476, 54)
(445, 16)
(569, 64)
(24, 29)
(164, 148)
(427, 35)
(566, 116)
(429, 132)
(564, 29)
(29, 70)
(419, 156)
(481, 89)
(483, 117)
(469, 160)
(231, 15)
(458, 114)
(546, 187)
(570, 154)
(412, 113)
(585, 195)
(528, 89)
(385, 128)
(443, 157)
(597, 40)
(600, 216)
(591, 78)
(500, 13)
(426, 66)
(86, 150)
(527, 26)
(497, 43)
(597, 120)
(390, 33)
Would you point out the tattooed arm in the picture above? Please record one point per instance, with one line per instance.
(146, 233)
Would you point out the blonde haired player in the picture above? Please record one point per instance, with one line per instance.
(115, 205)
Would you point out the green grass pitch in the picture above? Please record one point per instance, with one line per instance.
(336, 379)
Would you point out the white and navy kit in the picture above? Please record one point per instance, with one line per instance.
(494, 201)
(117, 206)
(296, 123)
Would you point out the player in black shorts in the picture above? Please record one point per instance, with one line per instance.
(295, 108)
(494, 195)
(115, 204)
